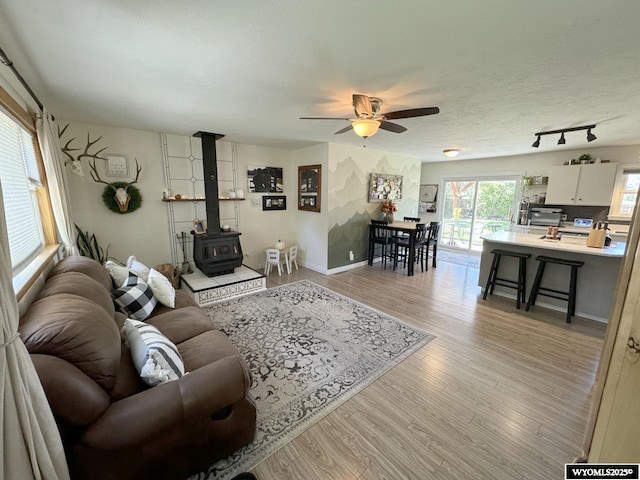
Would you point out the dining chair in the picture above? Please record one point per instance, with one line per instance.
(273, 258)
(379, 235)
(407, 219)
(422, 247)
(432, 241)
(402, 245)
(293, 256)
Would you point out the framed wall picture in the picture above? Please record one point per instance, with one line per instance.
(198, 227)
(385, 187)
(309, 187)
(117, 166)
(265, 179)
(427, 198)
(428, 193)
(274, 202)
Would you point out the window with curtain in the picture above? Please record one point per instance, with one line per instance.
(20, 178)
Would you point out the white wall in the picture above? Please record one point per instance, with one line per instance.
(262, 229)
(143, 233)
(311, 227)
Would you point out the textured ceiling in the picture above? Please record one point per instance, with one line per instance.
(499, 70)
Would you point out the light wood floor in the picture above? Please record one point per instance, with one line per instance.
(499, 394)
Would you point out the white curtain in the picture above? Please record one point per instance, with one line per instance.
(57, 181)
(31, 445)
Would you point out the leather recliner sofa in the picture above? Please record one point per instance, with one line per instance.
(113, 425)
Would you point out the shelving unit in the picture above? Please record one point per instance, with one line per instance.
(170, 199)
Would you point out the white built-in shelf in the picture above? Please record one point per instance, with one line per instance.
(172, 199)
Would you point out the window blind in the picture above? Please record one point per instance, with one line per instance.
(19, 177)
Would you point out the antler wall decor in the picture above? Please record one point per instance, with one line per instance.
(76, 163)
(119, 197)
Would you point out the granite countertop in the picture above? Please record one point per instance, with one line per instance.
(575, 245)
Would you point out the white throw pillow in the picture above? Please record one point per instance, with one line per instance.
(161, 288)
(140, 269)
(156, 358)
(118, 273)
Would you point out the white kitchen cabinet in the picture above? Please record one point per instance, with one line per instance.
(590, 184)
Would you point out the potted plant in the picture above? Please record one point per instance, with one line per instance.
(585, 158)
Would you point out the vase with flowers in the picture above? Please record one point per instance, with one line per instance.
(388, 209)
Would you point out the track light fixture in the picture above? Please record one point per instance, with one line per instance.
(536, 144)
(562, 141)
(590, 136)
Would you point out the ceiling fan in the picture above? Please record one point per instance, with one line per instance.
(369, 119)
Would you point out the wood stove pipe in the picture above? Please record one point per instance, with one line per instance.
(210, 164)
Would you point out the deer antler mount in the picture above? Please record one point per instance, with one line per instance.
(119, 197)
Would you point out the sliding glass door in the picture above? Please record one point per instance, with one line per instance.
(474, 207)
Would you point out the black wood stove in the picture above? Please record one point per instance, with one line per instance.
(215, 252)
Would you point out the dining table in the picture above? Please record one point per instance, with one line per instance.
(408, 228)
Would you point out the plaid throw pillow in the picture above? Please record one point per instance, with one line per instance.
(135, 298)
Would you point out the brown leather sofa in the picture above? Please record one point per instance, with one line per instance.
(113, 425)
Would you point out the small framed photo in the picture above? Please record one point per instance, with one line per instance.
(198, 227)
(273, 202)
(117, 166)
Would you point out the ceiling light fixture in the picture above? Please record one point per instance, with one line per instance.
(536, 144)
(451, 152)
(590, 136)
(562, 141)
(365, 127)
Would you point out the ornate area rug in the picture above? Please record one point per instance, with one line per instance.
(309, 350)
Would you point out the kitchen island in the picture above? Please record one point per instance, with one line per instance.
(596, 279)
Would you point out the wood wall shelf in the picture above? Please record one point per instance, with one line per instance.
(171, 199)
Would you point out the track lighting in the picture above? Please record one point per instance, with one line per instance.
(536, 144)
(562, 141)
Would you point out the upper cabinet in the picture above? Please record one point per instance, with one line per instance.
(590, 184)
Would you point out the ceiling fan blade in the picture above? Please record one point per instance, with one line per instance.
(323, 118)
(345, 129)
(412, 112)
(362, 104)
(392, 127)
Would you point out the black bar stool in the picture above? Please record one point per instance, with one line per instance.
(569, 296)
(520, 284)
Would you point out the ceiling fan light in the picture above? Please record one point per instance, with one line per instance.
(365, 127)
(451, 152)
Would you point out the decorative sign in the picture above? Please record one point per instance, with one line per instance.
(117, 166)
